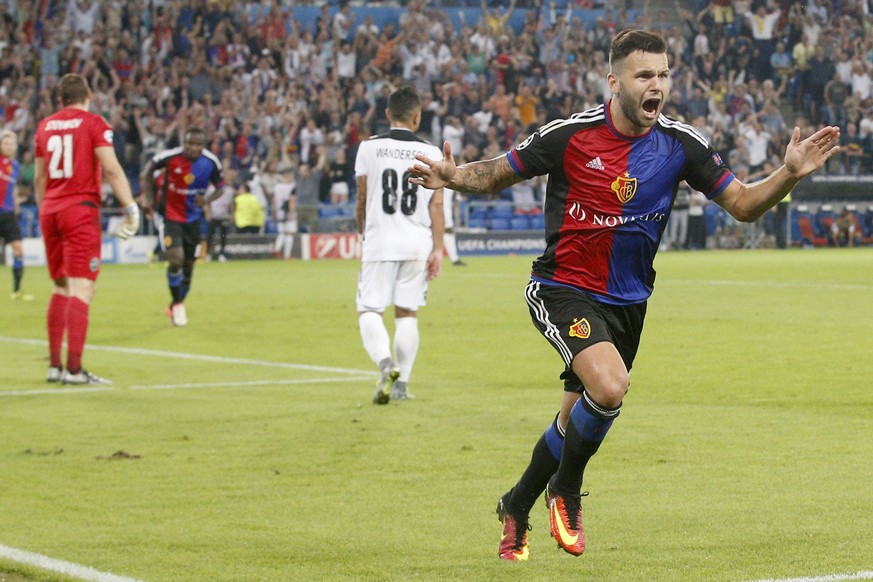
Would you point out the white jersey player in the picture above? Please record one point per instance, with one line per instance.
(401, 226)
(451, 243)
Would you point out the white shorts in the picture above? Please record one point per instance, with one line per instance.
(385, 283)
(340, 188)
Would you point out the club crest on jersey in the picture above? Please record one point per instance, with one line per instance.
(625, 187)
(580, 328)
(189, 179)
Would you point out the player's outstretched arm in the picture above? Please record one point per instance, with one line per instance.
(748, 203)
(475, 177)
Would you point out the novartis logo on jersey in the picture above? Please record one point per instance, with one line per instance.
(580, 214)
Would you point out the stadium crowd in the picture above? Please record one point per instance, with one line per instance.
(277, 94)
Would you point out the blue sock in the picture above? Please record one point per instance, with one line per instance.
(589, 422)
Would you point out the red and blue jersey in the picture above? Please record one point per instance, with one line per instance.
(609, 197)
(10, 170)
(184, 181)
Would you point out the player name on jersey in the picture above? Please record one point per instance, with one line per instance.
(62, 124)
(398, 154)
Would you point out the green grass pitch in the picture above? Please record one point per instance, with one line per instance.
(244, 447)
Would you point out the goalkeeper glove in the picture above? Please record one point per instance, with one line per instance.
(130, 224)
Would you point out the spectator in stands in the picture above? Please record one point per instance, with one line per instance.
(677, 227)
(308, 182)
(339, 175)
(852, 151)
(697, 202)
(248, 214)
(285, 211)
(219, 218)
(843, 231)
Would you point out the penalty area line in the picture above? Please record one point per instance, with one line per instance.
(863, 575)
(60, 566)
(248, 383)
(200, 357)
(53, 391)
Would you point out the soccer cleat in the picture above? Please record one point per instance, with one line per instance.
(21, 296)
(54, 374)
(400, 392)
(459, 263)
(513, 544)
(383, 386)
(178, 315)
(565, 520)
(83, 376)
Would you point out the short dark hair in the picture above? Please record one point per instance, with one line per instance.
(198, 131)
(73, 89)
(633, 40)
(404, 103)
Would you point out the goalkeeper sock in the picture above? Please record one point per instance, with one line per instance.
(56, 319)
(174, 279)
(375, 336)
(543, 464)
(77, 329)
(589, 422)
(406, 340)
(17, 273)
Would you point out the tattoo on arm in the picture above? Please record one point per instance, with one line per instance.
(485, 177)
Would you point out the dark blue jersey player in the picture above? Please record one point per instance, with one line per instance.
(613, 173)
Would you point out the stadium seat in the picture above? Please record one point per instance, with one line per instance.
(477, 223)
(519, 222)
(499, 224)
(501, 211)
(824, 220)
(537, 221)
(329, 211)
(807, 235)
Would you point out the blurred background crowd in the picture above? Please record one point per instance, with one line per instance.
(287, 90)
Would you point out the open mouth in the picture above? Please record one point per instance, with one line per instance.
(650, 107)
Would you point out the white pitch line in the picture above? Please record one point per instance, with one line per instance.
(200, 357)
(52, 391)
(249, 383)
(863, 575)
(61, 566)
(783, 284)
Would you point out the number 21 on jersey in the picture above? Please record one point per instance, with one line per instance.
(61, 163)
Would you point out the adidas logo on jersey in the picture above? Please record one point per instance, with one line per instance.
(595, 164)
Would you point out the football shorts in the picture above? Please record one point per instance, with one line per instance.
(9, 229)
(73, 241)
(572, 321)
(385, 283)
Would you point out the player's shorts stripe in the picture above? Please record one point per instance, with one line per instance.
(551, 333)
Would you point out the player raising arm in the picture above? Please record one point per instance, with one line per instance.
(71, 147)
(613, 173)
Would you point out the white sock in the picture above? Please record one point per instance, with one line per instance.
(405, 344)
(375, 336)
(451, 246)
